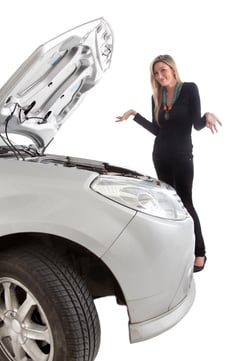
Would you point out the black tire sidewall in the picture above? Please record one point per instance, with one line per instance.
(40, 290)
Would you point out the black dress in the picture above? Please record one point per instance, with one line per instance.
(172, 151)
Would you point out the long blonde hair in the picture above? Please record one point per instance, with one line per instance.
(157, 89)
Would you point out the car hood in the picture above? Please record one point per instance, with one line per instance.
(52, 82)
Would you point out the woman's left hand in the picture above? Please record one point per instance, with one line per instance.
(212, 121)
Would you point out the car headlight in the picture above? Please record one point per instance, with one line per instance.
(142, 195)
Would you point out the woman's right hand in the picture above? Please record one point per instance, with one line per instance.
(126, 115)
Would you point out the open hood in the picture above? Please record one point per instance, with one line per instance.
(46, 88)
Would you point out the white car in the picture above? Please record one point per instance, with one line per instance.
(73, 230)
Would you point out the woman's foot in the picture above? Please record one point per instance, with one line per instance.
(199, 263)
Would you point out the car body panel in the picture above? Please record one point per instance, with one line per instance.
(58, 200)
(159, 276)
(161, 258)
(142, 331)
(49, 85)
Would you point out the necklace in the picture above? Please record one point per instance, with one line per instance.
(166, 107)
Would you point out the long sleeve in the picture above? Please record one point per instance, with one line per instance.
(150, 126)
(199, 122)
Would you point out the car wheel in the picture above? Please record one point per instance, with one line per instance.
(46, 310)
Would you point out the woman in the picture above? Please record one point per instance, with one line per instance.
(175, 110)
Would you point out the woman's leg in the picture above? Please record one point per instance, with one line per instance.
(179, 174)
(164, 170)
(184, 173)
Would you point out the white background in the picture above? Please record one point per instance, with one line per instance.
(204, 39)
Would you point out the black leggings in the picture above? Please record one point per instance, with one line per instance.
(179, 174)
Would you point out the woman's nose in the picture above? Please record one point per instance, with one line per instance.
(159, 77)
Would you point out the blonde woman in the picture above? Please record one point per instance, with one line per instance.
(176, 110)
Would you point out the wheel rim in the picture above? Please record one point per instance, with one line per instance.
(25, 333)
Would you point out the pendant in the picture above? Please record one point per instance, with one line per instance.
(166, 115)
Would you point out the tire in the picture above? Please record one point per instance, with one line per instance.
(46, 310)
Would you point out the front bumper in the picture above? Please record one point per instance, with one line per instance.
(152, 260)
(144, 330)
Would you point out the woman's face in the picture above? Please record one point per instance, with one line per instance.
(164, 74)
